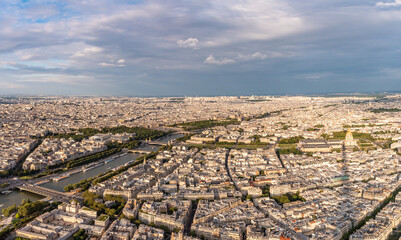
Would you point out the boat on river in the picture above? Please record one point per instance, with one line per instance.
(56, 179)
(92, 167)
(41, 182)
(109, 160)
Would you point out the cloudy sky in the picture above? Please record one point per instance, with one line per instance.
(199, 47)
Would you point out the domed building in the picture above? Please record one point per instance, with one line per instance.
(349, 139)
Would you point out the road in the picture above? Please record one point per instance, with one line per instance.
(228, 170)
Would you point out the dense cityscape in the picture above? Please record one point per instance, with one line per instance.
(200, 120)
(249, 167)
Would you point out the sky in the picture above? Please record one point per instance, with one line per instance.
(199, 47)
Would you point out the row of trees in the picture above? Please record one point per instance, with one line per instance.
(25, 209)
(84, 184)
(129, 145)
(197, 125)
(91, 158)
(263, 115)
(184, 138)
(45, 173)
(28, 208)
(9, 210)
(113, 148)
(140, 132)
(382, 110)
(292, 150)
(290, 140)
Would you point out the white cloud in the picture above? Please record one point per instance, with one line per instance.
(104, 64)
(8, 65)
(55, 78)
(259, 55)
(149, 35)
(252, 20)
(222, 61)
(119, 63)
(256, 55)
(317, 75)
(27, 57)
(188, 43)
(395, 3)
(88, 51)
(247, 57)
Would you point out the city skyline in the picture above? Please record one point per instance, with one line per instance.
(178, 48)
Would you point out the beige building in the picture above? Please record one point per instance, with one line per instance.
(349, 139)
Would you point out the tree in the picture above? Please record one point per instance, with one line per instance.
(266, 190)
(110, 211)
(24, 201)
(10, 210)
(80, 235)
(290, 140)
(172, 210)
(68, 188)
(284, 199)
(28, 208)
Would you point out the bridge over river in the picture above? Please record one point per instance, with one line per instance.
(158, 143)
(49, 193)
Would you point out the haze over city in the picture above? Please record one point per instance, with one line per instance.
(165, 47)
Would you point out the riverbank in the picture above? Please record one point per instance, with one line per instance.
(17, 196)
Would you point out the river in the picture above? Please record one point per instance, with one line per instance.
(17, 196)
(75, 178)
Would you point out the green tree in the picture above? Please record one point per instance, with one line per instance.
(80, 235)
(68, 188)
(10, 210)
